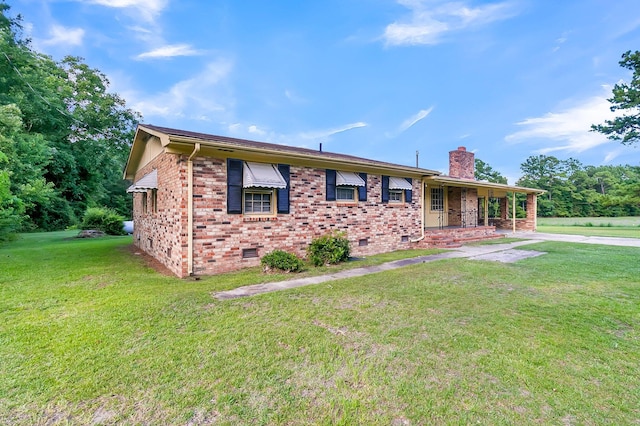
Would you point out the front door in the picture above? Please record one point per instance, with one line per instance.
(435, 207)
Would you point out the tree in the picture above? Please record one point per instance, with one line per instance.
(626, 98)
(483, 171)
(64, 138)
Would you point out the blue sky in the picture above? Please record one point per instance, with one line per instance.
(380, 79)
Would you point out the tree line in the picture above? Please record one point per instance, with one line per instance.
(64, 138)
(573, 189)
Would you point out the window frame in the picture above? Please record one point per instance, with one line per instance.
(353, 190)
(154, 201)
(262, 191)
(145, 202)
(400, 193)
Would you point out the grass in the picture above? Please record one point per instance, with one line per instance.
(592, 226)
(90, 335)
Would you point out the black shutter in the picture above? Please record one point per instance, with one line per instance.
(283, 193)
(234, 186)
(385, 189)
(331, 185)
(408, 193)
(362, 190)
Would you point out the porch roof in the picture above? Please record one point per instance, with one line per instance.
(465, 183)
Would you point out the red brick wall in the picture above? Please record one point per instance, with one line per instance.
(162, 234)
(220, 237)
(462, 164)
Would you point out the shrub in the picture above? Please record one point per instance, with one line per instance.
(103, 219)
(282, 260)
(329, 249)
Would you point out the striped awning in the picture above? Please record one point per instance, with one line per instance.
(399, 183)
(349, 179)
(148, 181)
(262, 175)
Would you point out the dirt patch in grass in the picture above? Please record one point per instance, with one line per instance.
(148, 260)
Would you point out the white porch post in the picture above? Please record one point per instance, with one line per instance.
(513, 211)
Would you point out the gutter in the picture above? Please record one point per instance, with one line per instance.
(196, 149)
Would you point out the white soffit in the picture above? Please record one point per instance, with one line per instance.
(148, 181)
(349, 179)
(262, 175)
(399, 183)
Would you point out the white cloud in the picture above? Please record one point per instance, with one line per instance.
(59, 35)
(414, 119)
(253, 129)
(147, 9)
(200, 97)
(169, 51)
(567, 130)
(324, 134)
(430, 20)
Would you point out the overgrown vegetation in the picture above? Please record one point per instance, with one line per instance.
(103, 219)
(282, 261)
(329, 249)
(552, 339)
(64, 138)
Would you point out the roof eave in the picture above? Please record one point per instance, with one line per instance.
(481, 184)
(360, 164)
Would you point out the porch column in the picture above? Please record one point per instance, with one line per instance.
(486, 210)
(513, 211)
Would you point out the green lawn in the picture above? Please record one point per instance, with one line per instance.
(592, 226)
(89, 335)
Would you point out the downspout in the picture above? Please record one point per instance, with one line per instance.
(422, 203)
(196, 149)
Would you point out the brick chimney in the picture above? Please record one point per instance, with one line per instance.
(462, 164)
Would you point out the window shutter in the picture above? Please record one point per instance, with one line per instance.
(362, 190)
(234, 186)
(283, 193)
(408, 193)
(385, 189)
(331, 185)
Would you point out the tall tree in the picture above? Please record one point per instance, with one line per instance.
(484, 171)
(65, 137)
(626, 98)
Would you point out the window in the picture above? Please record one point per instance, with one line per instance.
(257, 188)
(346, 186)
(144, 203)
(396, 196)
(437, 199)
(258, 202)
(345, 193)
(397, 190)
(154, 201)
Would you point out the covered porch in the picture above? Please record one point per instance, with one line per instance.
(461, 210)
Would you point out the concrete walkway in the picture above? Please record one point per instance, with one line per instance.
(495, 252)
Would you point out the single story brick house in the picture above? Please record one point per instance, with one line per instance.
(206, 204)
